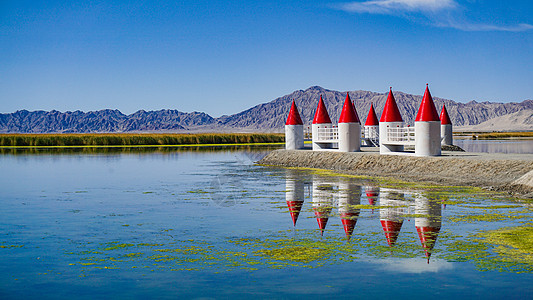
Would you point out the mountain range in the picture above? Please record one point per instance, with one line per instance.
(266, 117)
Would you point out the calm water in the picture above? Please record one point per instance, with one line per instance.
(211, 224)
(495, 146)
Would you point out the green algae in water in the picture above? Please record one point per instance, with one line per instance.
(10, 246)
(513, 244)
(489, 217)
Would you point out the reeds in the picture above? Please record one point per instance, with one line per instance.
(505, 135)
(495, 135)
(136, 139)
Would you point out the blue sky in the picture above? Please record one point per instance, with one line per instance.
(222, 57)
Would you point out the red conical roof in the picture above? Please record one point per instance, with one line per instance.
(372, 118)
(321, 114)
(294, 208)
(427, 111)
(349, 114)
(428, 237)
(322, 216)
(294, 116)
(371, 193)
(444, 117)
(348, 222)
(392, 230)
(391, 113)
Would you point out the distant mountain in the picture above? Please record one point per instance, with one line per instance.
(266, 117)
(272, 115)
(107, 120)
(517, 121)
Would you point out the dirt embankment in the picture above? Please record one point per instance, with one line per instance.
(513, 173)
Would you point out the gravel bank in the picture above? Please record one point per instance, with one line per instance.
(504, 172)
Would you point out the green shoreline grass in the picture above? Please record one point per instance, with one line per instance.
(138, 140)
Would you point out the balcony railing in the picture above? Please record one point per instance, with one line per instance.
(327, 134)
(401, 135)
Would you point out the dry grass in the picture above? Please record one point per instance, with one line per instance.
(505, 135)
(495, 135)
(115, 139)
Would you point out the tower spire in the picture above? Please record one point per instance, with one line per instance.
(321, 114)
(427, 111)
(372, 118)
(444, 117)
(391, 113)
(294, 116)
(349, 114)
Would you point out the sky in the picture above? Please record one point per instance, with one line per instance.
(222, 57)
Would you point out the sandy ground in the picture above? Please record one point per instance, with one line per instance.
(494, 171)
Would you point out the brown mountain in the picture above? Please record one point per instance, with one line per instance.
(272, 115)
(266, 117)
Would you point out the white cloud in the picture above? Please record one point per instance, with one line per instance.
(415, 265)
(438, 13)
(393, 6)
(486, 27)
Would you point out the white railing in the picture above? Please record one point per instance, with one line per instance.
(327, 134)
(401, 134)
(368, 132)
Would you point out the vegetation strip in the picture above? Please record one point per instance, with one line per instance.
(495, 135)
(137, 140)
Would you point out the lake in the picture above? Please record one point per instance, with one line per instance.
(496, 146)
(208, 223)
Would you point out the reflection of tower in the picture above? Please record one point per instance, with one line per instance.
(294, 194)
(322, 201)
(429, 222)
(349, 196)
(393, 207)
(372, 194)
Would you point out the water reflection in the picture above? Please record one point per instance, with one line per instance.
(349, 196)
(395, 206)
(372, 194)
(294, 194)
(322, 201)
(249, 150)
(495, 146)
(428, 221)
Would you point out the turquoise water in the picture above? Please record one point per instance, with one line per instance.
(211, 224)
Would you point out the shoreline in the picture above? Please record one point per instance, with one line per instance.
(144, 146)
(512, 173)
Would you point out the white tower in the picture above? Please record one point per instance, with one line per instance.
(372, 127)
(446, 132)
(349, 128)
(294, 130)
(427, 128)
(390, 118)
(321, 120)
